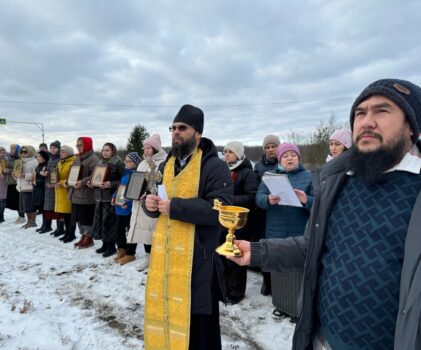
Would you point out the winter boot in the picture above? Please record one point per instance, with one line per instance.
(110, 250)
(70, 233)
(103, 248)
(120, 253)
(82, 238)
(126, 259)
(42, 226)
(31, 220)
(144, 263)
(86, 243)
(60, 229)
(46, 226)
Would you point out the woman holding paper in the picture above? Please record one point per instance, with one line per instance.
(285, 220)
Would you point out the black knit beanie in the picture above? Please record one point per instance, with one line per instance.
(404, 93)
(56, 144)
(192, 116)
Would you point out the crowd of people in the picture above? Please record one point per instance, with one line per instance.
(344, 264)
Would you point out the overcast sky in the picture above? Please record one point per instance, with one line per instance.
(98, 68)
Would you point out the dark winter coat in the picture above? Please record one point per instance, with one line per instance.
(292, 254)
(49, 199)
(85, 194)
(215, 183)
(246, 183)
(259, 215)
(116, 166)
(264, 165)
(282, 220)
(38, 192)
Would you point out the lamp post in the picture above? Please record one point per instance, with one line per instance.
(38, 125)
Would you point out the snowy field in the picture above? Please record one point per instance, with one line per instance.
(53, 296)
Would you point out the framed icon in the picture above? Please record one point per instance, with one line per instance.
(100, 175)
(135, 186)
(3, 166)
(17, 168)
(52, 176)
(75, 174)
(119, 195)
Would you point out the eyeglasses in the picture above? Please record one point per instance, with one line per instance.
(24, 151)
(180, 128)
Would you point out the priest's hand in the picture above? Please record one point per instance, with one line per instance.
(151, 202)
(245, 248)
(164, 206)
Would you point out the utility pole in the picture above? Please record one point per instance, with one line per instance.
(38, 125)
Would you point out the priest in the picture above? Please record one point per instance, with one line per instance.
(185, 281)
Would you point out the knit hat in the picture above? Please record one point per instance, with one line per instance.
(67, 149)
(56, 144)
(192, 116)
(404, 93)
(134, 156)
(344, 136)
(270, 139)
(236, 147)
(45, 155)
(154, 141)
(285, 147)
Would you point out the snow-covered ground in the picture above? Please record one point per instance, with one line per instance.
(53, 296)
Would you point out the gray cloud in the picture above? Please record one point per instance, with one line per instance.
(256, 67)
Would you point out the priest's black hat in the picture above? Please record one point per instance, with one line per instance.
(192, 116)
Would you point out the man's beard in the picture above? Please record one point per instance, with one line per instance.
(183, 149)
(370, 166)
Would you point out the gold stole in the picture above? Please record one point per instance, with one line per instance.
(168, 289)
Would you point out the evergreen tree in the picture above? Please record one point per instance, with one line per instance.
(137, 136)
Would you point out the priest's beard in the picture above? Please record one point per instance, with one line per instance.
(370, 166)
(184, 149)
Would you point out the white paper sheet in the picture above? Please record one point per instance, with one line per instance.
(279, 185)
(162, 193)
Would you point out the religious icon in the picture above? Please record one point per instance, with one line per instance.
(3, 166)
(232, 218)
(135, 185)
(52, 176)
(17, 168)
(75, 174)
(152, 177)
(100, 175)
(119, 196)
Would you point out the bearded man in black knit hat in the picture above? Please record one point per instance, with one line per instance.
(185, 279)
(361, 249)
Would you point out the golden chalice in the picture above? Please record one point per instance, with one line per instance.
(232, 218)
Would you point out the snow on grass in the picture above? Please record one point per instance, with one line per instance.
(53, 296)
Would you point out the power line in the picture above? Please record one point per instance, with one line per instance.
(172, 106)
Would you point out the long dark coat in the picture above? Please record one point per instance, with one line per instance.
(215, 183)
(38, 191)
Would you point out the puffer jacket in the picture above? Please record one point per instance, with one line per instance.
(141, 225)
(282, 220)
